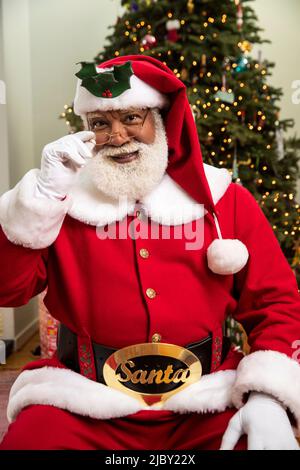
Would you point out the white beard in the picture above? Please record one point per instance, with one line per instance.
(133, 179)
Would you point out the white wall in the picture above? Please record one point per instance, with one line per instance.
(7, 317)
(43, 40)
(280, 20)
(63, 32)
(4, 168)
(17, 66)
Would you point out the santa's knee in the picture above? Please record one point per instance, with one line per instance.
(38, 427)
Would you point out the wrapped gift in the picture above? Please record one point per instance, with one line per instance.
(48, 329)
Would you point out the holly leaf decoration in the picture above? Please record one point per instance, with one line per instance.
(105, 84)
(87, 70)
(123, 72)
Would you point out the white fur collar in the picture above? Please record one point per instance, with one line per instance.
(167, 204)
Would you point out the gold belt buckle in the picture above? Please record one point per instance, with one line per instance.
(152, 372)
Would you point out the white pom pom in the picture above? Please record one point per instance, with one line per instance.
(226, 256)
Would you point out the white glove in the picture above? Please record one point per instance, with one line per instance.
(266, 423)
(61, 162)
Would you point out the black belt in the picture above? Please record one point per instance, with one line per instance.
(67, 352)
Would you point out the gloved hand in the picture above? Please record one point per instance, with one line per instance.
(61, 161)
(266, 423)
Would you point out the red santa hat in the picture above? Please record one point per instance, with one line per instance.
(143, 81)
(134, 92)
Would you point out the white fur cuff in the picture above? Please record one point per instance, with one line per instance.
(28, 220)
(272, 373)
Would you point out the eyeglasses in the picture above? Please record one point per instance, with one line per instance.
(132, 125)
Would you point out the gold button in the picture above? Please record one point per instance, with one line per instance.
(144, 253)
(156, 338)
(150, 293)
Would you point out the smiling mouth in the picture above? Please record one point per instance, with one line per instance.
(125, 157)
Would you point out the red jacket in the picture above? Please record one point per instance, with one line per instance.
(99, 288)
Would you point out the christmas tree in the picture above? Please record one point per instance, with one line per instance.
(208, 46)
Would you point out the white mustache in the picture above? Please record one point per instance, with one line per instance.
(115, 151)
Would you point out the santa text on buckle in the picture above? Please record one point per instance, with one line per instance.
(152, 372)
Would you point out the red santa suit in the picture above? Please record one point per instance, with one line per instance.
(123, 291)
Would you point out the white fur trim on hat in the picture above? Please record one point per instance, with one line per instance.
(139, 95)
(73, 392)
(273, 373)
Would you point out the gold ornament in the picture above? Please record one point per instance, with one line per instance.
(190, 6)
(245, 162)
(184, 74)
(245, 46)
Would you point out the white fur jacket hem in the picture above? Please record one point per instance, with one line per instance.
(73, 392)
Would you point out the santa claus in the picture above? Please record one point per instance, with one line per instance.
(145, 251)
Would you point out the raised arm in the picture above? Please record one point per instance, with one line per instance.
(31, 216)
